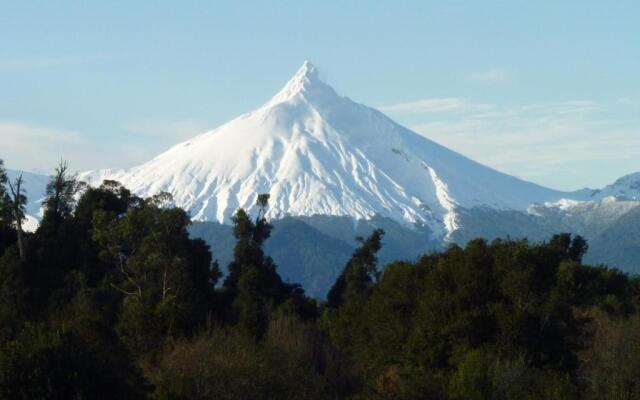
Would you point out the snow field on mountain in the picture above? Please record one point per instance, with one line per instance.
(317, 153)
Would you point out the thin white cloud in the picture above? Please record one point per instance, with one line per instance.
(628, 101)
(428, 105)
(11, 131)
(173, 130)
(491, 76)
(47, 62)
(39, 148)
(565, 107)
(425, 106)
(540, 142)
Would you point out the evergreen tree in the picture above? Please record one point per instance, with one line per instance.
(360, 271)
(50, 269)
(253, 288)
(568, 248)
(348, 297)
(250, 237)
(60, 199)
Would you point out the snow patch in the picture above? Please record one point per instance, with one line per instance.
(30, 223)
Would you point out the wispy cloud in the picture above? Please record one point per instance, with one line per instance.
(628, 101)
(15, 131)
(172, 130)
(38, 148)
(449, 104)
(564, 107)
(494, 75)
(543, 142)
(35, 147)
(18, 64)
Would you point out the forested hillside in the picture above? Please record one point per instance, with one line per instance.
(111, 298)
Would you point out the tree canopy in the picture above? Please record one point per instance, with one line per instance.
(111, 298)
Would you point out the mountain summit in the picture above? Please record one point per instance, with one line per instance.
(305, 81)
(318, 153)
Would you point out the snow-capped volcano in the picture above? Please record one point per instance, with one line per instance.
(316, 152)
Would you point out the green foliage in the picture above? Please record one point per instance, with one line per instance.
(39, 364)
(166, 278)
(250, 237)
(488, 321)
(60, 198)
(293, 362)
(315, 261)
(349, 295)
(5, 199)
(14, 293)
(472, 380)
(254, 289)
(359, 272)
(610, 370)
(111, 295)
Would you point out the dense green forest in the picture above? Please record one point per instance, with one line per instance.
(112, 299)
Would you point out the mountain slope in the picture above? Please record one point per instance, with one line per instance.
(317, 153)
(625, 188)
(619, 244)
(313, 251)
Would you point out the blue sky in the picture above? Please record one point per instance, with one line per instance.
(546, 90)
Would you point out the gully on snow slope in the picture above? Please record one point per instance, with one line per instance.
(318, 153)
